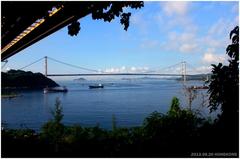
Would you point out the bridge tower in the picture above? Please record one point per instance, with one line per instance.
(184, 71)
(45, 64)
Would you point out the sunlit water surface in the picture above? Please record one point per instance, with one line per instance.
(129, 100)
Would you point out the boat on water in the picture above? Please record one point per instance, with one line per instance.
(96, 86)
(55, 89)
(199, 87)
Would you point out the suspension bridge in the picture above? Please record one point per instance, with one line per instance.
(180, 70)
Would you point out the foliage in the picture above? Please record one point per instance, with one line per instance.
(74, 28)
(191, 94)
(176, 120)
(106, 11)
(57, 114)
(153, 123)
(175, 107)
(53, 130)
(114, 123)
(224, 86)
(20, 133)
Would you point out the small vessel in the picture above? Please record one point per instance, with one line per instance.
(55, 89)
(96, 86)
(199, 87)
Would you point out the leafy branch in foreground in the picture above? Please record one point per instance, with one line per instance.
(224, 86)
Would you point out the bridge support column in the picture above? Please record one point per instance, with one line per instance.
(45, 65)
(184, 71)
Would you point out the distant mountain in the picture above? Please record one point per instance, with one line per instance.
(127, 79)
(141, 78)
(27, 80)
(80, 79)
(201, 77)
(149, 78)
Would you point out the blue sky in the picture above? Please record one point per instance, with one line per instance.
(160, 34)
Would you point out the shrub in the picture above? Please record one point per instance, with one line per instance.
(53, 130)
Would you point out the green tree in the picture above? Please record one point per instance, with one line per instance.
(57, 114)
(114, 123)
(190, 94)
(224, 86)
(175, 107)
(53, 130)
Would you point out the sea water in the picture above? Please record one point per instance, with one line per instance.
(130, 101)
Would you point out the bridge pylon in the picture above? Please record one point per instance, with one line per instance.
(184, 71)
(45, 64)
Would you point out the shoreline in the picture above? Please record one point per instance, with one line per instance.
(11, 96)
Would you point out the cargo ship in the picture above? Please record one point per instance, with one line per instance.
(96, 86)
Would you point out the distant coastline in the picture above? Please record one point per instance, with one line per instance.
(198, 77)
(142, 78)
(80, 79)
(18, 79)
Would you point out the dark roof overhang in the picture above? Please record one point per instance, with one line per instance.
(17, 17)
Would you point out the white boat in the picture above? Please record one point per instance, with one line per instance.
(55, 89)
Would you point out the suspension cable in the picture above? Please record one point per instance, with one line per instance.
(193, 68)
(75, 66)
(32, 63)
(164, 67)
(171, 66)
(92, 70)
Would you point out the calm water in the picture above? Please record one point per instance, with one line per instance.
(129, 101)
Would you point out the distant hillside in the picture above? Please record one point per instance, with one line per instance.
(22, 79)
(80, 79)
(141, 78)
(200, 77)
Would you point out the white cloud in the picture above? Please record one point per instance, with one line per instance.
(8, 69)
(203, 69)
(222, 27)
(176, 69)
(124, 69)
(188, 41)
(185, 42)
(182, 42)
(218, 28)
(172, 15)
(189, 69)
(179, 8)
(187, 36)
(211, 57)
(235, 8)
(181, 33)
(217, 38)
(211, 41)
(184, 36)
(188, 47)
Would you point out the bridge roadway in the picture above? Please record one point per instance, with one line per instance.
(117, 74)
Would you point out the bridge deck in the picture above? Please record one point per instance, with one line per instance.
(117, 74)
